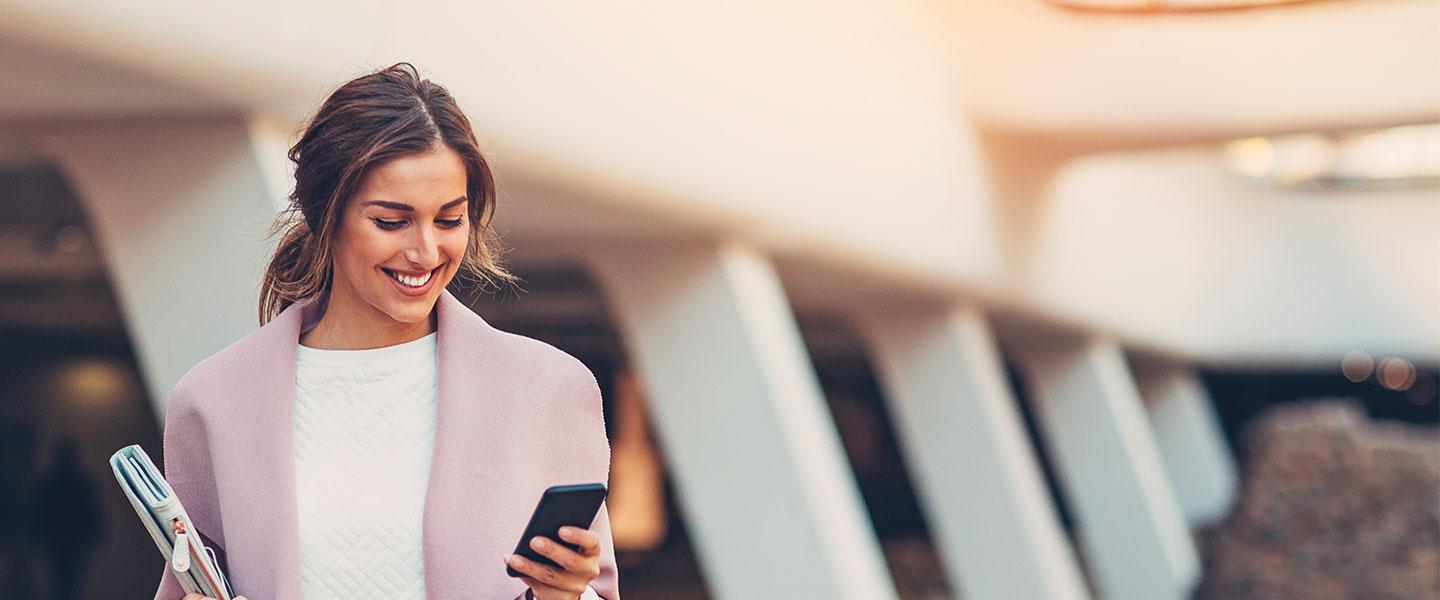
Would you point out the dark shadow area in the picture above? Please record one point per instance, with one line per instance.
(65, 406)
(1241, 396)
(71, 393)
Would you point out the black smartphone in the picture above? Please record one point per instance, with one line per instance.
(561, 505)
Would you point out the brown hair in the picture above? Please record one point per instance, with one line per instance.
(386, 114)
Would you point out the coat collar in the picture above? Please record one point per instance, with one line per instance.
(465, 348)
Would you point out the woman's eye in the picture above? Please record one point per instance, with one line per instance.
(446, 223)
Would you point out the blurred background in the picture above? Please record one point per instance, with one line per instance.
(1131, 299)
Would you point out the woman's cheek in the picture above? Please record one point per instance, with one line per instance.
(456, 244)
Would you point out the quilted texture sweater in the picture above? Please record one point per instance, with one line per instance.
(364, 433)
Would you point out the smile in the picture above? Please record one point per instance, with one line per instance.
(411, 281)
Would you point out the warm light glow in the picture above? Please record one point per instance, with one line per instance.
(637, 477)
(1214, 4)
(92, 383)
(1396, 374)
(1252, 156)
(1357, 366)
(1167, 5)
(1398, 156)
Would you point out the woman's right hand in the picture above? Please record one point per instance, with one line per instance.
(193, 596)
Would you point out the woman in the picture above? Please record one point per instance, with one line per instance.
(375, 438)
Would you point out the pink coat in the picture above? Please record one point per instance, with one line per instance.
(513, 416)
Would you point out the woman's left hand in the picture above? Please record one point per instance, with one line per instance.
(577, 570)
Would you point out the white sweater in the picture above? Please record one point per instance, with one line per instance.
(364, 437)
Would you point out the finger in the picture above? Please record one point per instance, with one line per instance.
(549, 576)
(587, 567)
(195, 596)
(546, 574)
(531, 583)
(588, 541)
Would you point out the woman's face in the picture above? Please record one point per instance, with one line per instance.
(402, 236)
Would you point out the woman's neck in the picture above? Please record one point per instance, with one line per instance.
(347, 327)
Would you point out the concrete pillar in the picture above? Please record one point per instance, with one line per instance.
(976, 473)
(757, 462)
(1191, 440)
(1129, 521)
(180, 207)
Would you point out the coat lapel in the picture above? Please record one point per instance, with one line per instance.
(264, 522)
(513, 417)
(469, 478)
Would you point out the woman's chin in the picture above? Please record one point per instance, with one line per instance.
(412, 311)
(410, 314)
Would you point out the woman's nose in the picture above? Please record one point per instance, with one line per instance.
(424, 250)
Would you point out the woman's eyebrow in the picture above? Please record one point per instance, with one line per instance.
(408, 208)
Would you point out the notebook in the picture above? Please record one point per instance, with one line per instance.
(194, 560)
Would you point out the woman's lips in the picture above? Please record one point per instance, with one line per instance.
(407, 290)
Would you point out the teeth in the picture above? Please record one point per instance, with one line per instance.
(411, 281)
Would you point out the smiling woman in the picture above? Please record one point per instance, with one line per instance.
(393, 257)
(375, 438)
(394, 151)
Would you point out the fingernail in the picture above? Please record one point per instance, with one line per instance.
(567, 531)
(537, 542)
(513, 560)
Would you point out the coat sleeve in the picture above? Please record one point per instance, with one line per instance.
(189, 473)
(607, 585)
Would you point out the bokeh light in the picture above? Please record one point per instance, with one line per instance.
(1357, 365)
(1396, 374)
(1252, 156)
(93, 383)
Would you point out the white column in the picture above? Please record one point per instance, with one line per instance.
(758, 464)
(976, 472)
(1130, 525)
(1191, 440)
(180, 208)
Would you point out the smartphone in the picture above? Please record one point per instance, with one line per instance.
(573, 505)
